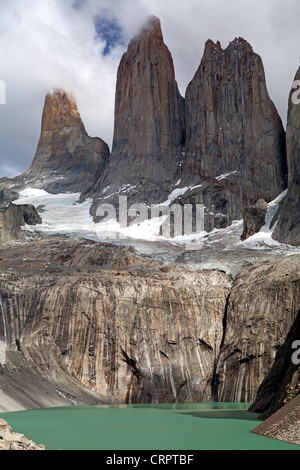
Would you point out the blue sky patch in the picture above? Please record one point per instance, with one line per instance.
(109, 31)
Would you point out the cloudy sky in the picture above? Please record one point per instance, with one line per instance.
(77, 45)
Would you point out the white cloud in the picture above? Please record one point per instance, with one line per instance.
(49, 44)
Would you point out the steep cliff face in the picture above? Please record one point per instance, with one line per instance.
(282, 384)
(235, 141)
(66, 159)
(287, 219)
(141, 331)
(149, 121)
(124, 327)
(278, 397)
(262, 308)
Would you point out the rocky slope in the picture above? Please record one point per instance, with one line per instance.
(37, 377)
(149, 122)
(10, 440)
(287, 219)
(66, 159)
(284, 424)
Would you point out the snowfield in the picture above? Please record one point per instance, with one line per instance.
(62, 214)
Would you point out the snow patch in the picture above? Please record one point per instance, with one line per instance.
(225, 175)
(62, 214)
(263, 239)
(178, 192)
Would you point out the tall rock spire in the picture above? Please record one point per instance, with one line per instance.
(66, 157)
(235, 141)
(148, 107)
(149, 118)
(287, 219)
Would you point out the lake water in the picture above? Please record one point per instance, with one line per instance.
(203, 426)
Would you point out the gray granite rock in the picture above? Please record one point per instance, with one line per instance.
(235, 141)
(287, 219)
(67, 159)
(149, 123)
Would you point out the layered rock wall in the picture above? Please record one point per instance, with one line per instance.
(140, 331)
(133, 332)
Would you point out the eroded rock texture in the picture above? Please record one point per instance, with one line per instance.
(287, 220)
(262, 308)
(140, 331)
(125, 327)
(284, 424)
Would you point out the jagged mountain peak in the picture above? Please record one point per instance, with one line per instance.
(241, 43)
(60, 110)
(151, 29)
(238, 44)
(212, 47)
(235, 141)
(153, 26)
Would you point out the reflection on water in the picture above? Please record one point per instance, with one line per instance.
(213, 410)
(246, 415)
(209, 406)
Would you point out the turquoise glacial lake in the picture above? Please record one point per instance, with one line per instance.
(200, 426)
